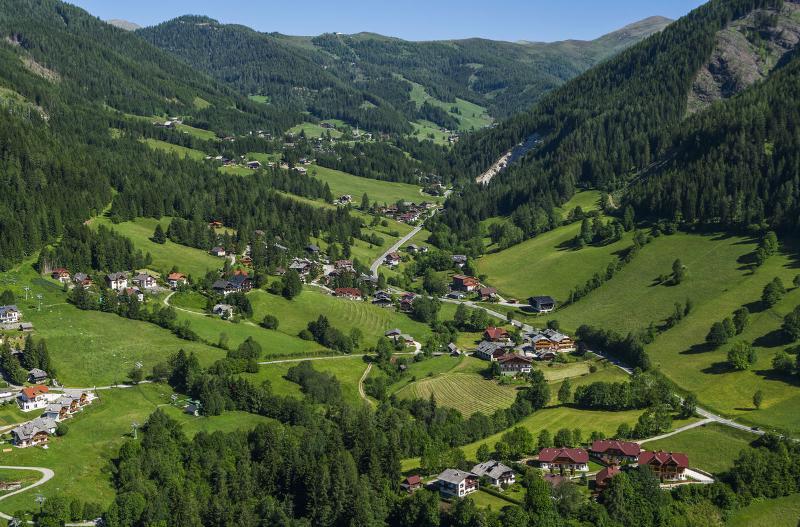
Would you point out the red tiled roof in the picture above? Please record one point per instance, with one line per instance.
(573, 455)
(32, 391)
(627, 448)
(496, 333)
(606, 474)
(176, 276)
(662, 458)
(413, 480)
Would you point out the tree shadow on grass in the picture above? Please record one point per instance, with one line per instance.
(773, 375)
(773, 339)
(696, 349)
(718, 368)
(756, 306)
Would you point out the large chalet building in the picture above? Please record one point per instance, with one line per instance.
(564, 459)
(613, 452)
(668, 466)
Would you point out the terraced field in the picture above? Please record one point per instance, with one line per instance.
(468, 393)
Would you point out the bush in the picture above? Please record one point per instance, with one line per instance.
(62, 429)
(270, 322)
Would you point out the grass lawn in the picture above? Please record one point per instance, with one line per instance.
(347, 369)
(294, 315)
(587, 200)
(235, 170)
(10, 414)
(81, 459)
(428, 130)
(712, 447)
(262, 99)
(381, 191)
(548, 265)
(200, 103)
(182, 151)
(485, 500)
(206, 135)
(780, 512)
(188, 300)
(469, 115)
(273, 343)
(187, 259)
(314, 130)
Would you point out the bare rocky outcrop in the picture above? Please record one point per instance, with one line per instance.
(746, 52)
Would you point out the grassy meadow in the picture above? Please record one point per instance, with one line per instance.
(187, 259)
(182, 151)
(380, 191)
(779, 512)
(712, 447)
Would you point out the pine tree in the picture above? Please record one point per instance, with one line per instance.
(158, 235)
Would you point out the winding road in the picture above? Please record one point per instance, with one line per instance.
(46, 473)
(394, 248)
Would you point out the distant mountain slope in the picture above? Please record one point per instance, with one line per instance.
(599, 130)
(363, 78)
(124, 24)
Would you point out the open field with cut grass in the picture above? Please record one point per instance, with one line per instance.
(182, 151)
(81, 459)
(294, 315)
(469, 115)
(187, 259)
(205, 135)
(347, 369)
(380, 191)
(548, 265)
(711, 447)
(588, 200)
(428, 130)
(466, 392)
(779, 512)
(273, 343)
(485, 500)
(262, 99)
(314, 130)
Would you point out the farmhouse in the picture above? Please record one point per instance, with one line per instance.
(9, 314)
(223, 287)
(491, 351)
(513, 364)
(459, 259)
(37, 376)
(497, 473)
(61, 274)
(218, 251)
(344, 265)
(348, 292)
(134, 292)
(668, 466)
(453, 349)
(464, 283)
(241, 282)
(300, 170)
(551, 340)
(312, 249)
(117, 281)
(344, 200)
(33, 398)
(564, 459)
(176, 280)
(457, 483)
(495, 334)
(393, 259)
(34, 432)
(254, 165)
(82, 280)
(603, 478)
(223, 310)
(611, 451)
(412, 483)
(144, 280)
(407, 302)
(542, 304)
(382, 299)
(487, 293)
(301, 265)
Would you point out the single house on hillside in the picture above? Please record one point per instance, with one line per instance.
(513, 364)
(33, 398)
(61, 274)
(459, 259)
(487, 293)
(9, 314)
(144, 281)
(542, 304)
(464, 283)
(497, 473)
(223, 310)
(412, 483)
(668, 466)
(34, 432)
(495, 334)
(176, 280)
(348, 292)
(218, 251)
(117, 281)
(491, 351)
(37, 376)
(457, 483)
(564, 459)
(603, 478)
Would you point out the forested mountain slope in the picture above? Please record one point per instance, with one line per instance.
(366, 79)
(600, 129)
(65, 76)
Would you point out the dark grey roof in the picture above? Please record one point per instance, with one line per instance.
(454, 476)
(493, 469)
(27, 430)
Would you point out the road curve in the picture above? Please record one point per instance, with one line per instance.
(377, 263)
(46, 473)
(361, 391)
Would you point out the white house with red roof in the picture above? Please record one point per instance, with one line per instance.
(567, 459)
(33, 398)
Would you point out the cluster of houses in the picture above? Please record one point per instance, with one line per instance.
(514, 359)
(56, 407)
(559, 464)
(406, 212)
(240, 282)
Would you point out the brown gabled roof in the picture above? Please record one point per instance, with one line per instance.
(496, 333)
(413, 480)
(605, 475)
(627, 448)
(662, 458)
(176, 276)
(348, 291)
(574, 455)
(513, 357)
